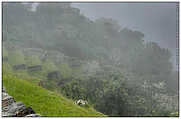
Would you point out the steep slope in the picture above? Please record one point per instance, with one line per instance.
(44, 102)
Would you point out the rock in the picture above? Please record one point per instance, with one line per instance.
(19, 104)
(33, 115)
(7, 100)
(11, 108)
(7, 114)
(24, 112)
(6, 109)
(4, 95)
(16, 107)
(81, 102)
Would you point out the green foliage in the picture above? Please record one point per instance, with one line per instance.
(74, 90)
(33, 60)
(16, 57)
(130, 70)
(49, 66)
(65, 71)
(5, 53)
(43, 101)
(6, 68)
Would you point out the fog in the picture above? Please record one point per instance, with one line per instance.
(117, 58)
(156, 20)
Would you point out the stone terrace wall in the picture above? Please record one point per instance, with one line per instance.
(11, 108)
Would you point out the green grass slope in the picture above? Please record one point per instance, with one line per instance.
(44, 102)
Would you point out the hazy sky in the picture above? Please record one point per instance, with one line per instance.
(156, 20)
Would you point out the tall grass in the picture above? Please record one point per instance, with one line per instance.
(44, 102)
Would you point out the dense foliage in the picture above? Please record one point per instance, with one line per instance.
(113, 68)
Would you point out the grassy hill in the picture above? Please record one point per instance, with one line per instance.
(44, 102)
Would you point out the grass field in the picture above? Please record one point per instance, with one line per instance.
(44, 102)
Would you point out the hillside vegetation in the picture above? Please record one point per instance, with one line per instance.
(111, 67)
(44, 102)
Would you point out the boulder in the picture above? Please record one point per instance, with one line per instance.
(81, 102)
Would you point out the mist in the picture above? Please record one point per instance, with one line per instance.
(90, 59)
(156, 20)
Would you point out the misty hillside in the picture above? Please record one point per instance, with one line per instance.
(111, 67)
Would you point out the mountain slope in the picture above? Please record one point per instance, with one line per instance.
(44, 102)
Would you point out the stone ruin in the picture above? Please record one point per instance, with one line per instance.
(35, 68)
(74, 62)
(19, 67)
(53, 75)
(11, 108)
